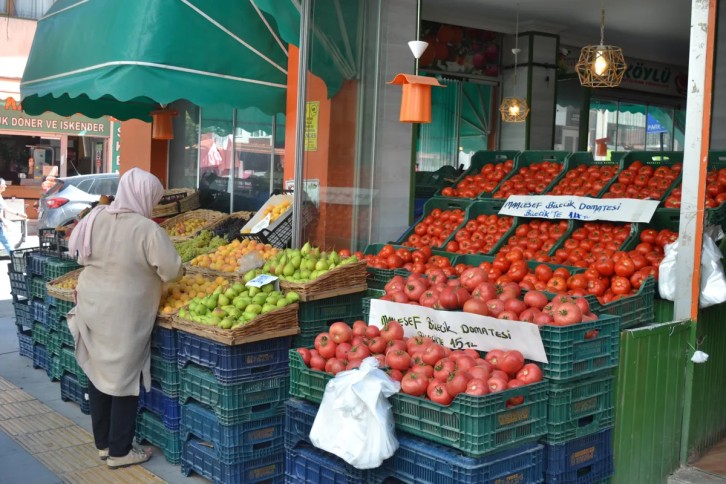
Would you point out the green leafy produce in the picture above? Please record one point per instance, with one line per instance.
(201, 244)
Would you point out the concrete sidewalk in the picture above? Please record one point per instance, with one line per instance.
(72, 428)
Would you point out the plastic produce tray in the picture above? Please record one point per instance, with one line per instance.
(377, 278)
(54, 343)
(163, 406)
(233, 404)
(65, 334)
(40, 312)
(36, 287)
(56, 371)
(338, 308)
(198, 458)
(18, 284)
(55, 268)
(73, 391)
(36, 264)
(487, 207)
(70, 365)
(587, 459)
(234, 364)
(632, 310)
(440, 203)
(166, 373)
(309, 331)
(580, 349)
(580, 407)
(41, 358)
(40, 334)
(528, 158)
(578, 158)
(19, 260)
(478, 160)
(233, 443)
(474, 425)
(23, 313)
(25, 343)
(150, 428)
(305, 463)
(164, 342)
(61, 306)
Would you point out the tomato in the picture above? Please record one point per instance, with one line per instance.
(392, 330)
(477, 387)
(334, 366)
(436, 391)
(398, 359)
(620, 285)
(396, 375)
(511, 362)
(443, 369)
(479, 372)
(432, 354)
(624, 267)
(605, 266)
(543, 272)
(325, 345)
(496, 384)
(340, 332)
(457, 383)
(317, 362)
(414, 383)
(359, 328)
(341, 352)
(530, 373)
(305, 354)
(377, 345)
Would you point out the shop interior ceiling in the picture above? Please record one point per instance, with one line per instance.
(645, 29)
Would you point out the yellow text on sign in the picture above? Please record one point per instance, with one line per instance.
(312, 111)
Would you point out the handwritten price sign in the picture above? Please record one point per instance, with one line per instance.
(458, 330)
(580, 208)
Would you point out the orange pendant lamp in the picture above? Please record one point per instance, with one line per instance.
(161, 124)
(416, 99)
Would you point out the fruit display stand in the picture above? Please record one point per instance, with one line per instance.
(63, 287)
(343, 279)
(177, 227)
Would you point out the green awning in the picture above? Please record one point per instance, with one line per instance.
(123, 59)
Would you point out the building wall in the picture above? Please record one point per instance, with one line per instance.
(17, 38)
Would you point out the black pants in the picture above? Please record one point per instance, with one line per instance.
(113, 420)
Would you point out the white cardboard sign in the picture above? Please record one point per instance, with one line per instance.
(580, 208)
(459, 330)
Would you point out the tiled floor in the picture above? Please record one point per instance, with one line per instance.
(714, 461)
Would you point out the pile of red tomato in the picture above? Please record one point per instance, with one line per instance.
(590, 242)
(535, 238)
(715, 190)
(585, 181)
(644, 182)
(479, 235)
(486, 181)
(419, 260)
(435, 228)
(424, 368)
(530, 180)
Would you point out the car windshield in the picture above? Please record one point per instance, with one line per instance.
(92, 185)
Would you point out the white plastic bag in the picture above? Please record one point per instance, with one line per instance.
(713, 281)
(355, 420)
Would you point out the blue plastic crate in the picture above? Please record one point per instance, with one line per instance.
(232, 443)
(585, 460)
(72, 391)
(234, 364)
(36, 263)
(25, 343)
(41, 358)
(305, 463)
(40, 312)
(161, 405)
(198, 458)
(163, 342)
(23, 313)
(18, 284)
(19, 260)
(150, 429)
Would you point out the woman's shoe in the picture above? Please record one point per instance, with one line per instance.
(134, 457)
(103, 453)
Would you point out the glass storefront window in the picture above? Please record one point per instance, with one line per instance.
(184, 148)
(568, 114)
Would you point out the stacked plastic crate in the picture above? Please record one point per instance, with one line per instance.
(55, 312)
(580, 415)
(232, 408)
(475, 439)
(316, 317)
(39, 310)
(21, 301)
(157, 422)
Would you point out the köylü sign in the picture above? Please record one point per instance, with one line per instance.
(458, 330)
(580, 208)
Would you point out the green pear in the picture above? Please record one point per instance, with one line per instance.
(249, 275)
(304, 274)
(305, 250)
(334, 257)
(230, 293)
(222, 300)
(253, 309)
(268, 288)
(183, 313)
(282, 302)
(292, 296)
(259, 299)
(238, 287)
(234, 313)
(321, 265)
(266, 308)
(249, 316)
(289, 269)
(215, 320)
(210, 303)
(272, 299)
(253, 291)
(219, 312)
(296, 261)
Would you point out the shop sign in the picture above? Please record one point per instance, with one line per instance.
(654, 126)
(312, 114)
(459, 330)
(13, 118)
(641, 75)
(115, 146)
(580, 208)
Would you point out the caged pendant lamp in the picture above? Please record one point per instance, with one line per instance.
(514, 109)
(601, 65)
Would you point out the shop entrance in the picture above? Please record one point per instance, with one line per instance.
(86, 155)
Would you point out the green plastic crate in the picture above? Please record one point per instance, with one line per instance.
(655, 159)
(633, 310)
(523, 221)
(56, 369)
(166, 373)
(370, 294)
(662, 311)
(377, 278)
(717, 215)
(61, 306)
(54, 343)
(40, 334)
(55, 268)
(528, 158)
(478, 160)
(581, 349)
(65, 334)
(427, 183)
(579, 158)
(440, 203)
(473, 425)
(68, 363)
(486, 207)
(37, 287)
(475, 260)
(310, 330)
(150, 429)
(580, 407)
(242, 402)
(337, 308)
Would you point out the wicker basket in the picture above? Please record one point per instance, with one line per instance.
(345, 279)
(230, 276)
(163, 323)
(209, 216)
(246, 216)
(275, 324)
(58, 292)
(171, 202)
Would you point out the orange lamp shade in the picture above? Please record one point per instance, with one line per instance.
(161, 124)
(601, 146)
(416, 100)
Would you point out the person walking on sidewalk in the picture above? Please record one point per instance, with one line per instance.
(4, 222)
(126, 258)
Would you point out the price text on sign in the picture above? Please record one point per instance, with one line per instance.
(579, 208)
(459, 330)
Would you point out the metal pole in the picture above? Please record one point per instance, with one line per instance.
(272, 154)
(418, 29)
(233, 168)
(302, 83)
(695, 158)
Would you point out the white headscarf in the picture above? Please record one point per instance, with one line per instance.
(138, 192)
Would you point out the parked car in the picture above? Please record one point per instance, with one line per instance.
(69, 196)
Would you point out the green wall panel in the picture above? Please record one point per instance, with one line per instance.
(649, 402)
(708, 407)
